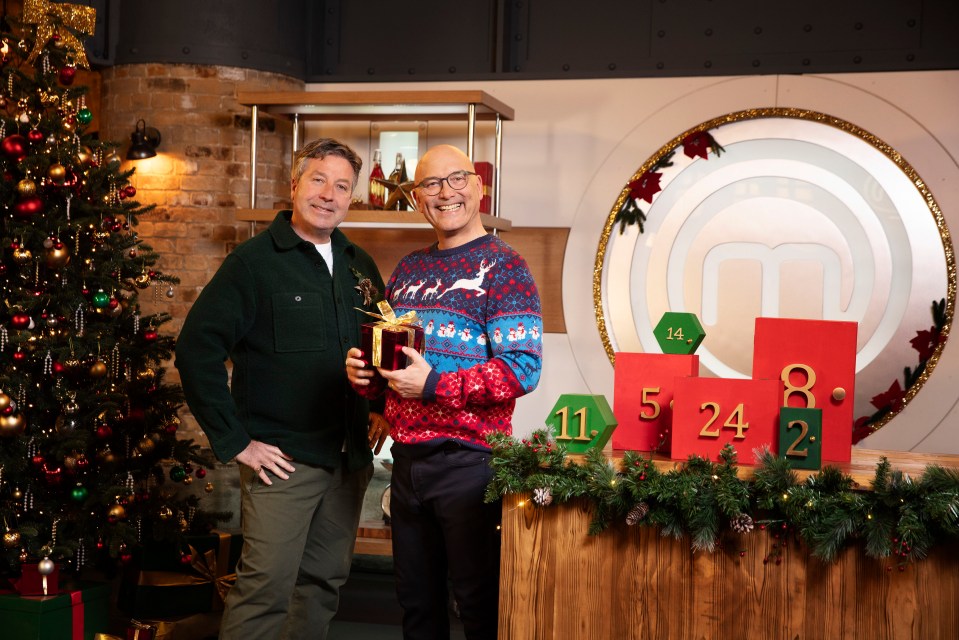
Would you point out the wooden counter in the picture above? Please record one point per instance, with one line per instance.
(558, 582)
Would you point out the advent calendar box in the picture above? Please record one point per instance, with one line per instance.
(643, 397)
(814, 362)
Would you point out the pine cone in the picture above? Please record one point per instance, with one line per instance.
(543, 496)
(637, 513)
(741, 523)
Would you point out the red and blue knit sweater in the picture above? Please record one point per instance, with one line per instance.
(482, 324)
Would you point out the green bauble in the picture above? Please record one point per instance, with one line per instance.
(101, 299)
(177, 473)
(84, 116)
(79, 493)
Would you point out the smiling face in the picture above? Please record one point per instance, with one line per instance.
(454, 215)
(321, 197)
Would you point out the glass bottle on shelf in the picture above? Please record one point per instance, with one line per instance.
(377, 190)
(398, 177)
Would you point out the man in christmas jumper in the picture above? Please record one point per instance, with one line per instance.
(443, 405)
(282, 307)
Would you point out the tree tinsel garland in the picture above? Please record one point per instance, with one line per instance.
(827, 511)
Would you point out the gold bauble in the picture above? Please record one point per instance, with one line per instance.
(107, 456)
(70, 462)
(16, 494)
(11, 539)
(58, 257)
(22, 255)
(165, 513)
(26, 187)
(142, 281)
(57, 173)
(71, 408)
(72, 363)
(5, 401)
(184, 525)
(85, 155)
(209, 487)
(113, 159)
(98, 369)
(65, 424)
(146, 374)
(117, 512)
(12, 425)
(188, 479)
(146, 445)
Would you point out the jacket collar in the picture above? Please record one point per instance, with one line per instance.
(285, 238)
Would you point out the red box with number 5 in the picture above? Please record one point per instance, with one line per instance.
(642, 398)
(709, 413)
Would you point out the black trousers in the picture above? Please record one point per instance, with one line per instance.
(443, 533)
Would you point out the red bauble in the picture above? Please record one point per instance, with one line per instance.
(19, 356)
(113, 303)
(28, 207)
(58, 368)
(104, 431)
(150, 335)
(35, 135)
(66, 75)
(54, 476)
(201, 473)
(14, 147)
(129, 191)
(38, 460)
(20, 321)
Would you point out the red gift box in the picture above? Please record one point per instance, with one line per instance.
(31, 583)
(382, 342)
(485, 171)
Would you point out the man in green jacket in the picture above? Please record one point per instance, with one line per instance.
(283, 308)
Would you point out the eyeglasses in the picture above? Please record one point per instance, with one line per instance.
(456, 180)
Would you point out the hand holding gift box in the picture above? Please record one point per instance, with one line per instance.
(382, 342)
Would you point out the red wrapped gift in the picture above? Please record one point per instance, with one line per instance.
(485, 171)
(32, 583)
(382, 342)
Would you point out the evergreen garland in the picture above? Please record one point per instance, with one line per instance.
(702, 499)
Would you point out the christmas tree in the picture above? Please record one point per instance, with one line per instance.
(90, 462)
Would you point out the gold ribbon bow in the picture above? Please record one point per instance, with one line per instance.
(44, 14)
(205, 565)
(389, 321)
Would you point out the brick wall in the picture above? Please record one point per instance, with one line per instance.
(201, 174)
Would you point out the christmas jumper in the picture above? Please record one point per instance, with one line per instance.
(482, 325)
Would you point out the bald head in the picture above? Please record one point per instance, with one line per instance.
(442, 155)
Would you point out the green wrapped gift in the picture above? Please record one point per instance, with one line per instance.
(159, 585)
(73, 614)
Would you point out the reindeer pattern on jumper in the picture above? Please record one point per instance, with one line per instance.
(474, 302)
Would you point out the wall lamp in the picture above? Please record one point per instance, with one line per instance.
(145, 140)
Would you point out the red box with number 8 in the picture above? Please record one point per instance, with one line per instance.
(709, 413)
(643, 395)
(814, 362)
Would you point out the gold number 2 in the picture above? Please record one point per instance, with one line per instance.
(792, 451)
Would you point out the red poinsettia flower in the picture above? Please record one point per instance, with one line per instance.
(645, 187)
(861, 429)
(891, 398)
(698, 143)
(925, 343)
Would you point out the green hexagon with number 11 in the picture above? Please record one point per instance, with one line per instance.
(581, 422)
(679, 333)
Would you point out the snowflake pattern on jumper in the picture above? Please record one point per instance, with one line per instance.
(481, 318)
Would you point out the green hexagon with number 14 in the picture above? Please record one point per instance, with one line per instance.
(581, 422)
(679, 333)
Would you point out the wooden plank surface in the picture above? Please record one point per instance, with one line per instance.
(631, 583)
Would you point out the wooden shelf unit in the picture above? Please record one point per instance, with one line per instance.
(373, 106)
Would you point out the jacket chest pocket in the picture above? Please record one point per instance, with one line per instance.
(298, 322)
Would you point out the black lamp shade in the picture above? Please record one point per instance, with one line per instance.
(144, 141)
